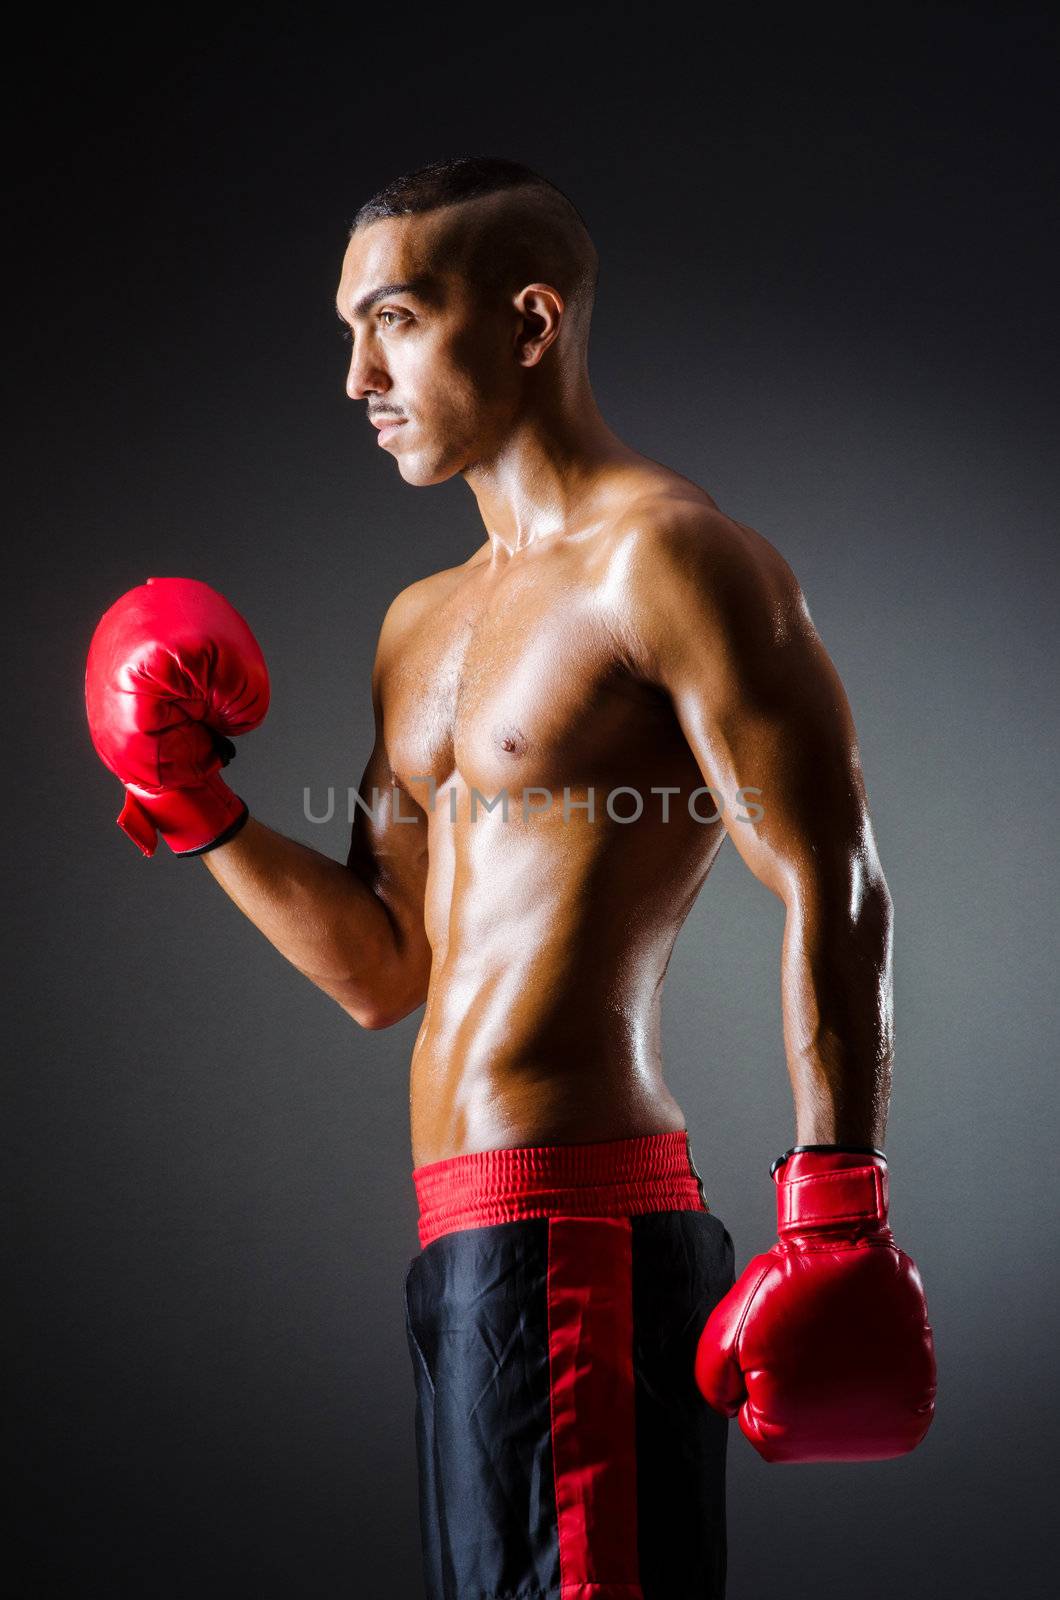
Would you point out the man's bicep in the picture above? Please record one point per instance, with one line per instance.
(775, 739)
(364, 822)
(724, 629)
(388, 835)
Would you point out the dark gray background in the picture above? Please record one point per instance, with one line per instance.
(825, 296)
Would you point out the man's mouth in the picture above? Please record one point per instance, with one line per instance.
(386, 425)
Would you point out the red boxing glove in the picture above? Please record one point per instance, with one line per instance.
(172, 671)
(823, 1346)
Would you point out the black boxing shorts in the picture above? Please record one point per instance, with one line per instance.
(552, 1314)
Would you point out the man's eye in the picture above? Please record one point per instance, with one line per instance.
(347, 333)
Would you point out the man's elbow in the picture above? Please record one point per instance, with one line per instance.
(864, 927)
(876, 909)
(383, 992)
(853, 905)
(373, 1018)
(377, 1013)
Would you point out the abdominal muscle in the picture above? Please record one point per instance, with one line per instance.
(502, 1078)
(542, 1023)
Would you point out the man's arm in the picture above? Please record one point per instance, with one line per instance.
(355, 930)
(713, 615)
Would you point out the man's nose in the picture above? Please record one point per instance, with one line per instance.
(366, 375)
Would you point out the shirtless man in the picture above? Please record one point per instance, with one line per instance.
(568, 726)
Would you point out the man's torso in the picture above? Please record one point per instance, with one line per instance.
(550, 926)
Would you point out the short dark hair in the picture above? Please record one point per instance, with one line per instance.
(536, 235)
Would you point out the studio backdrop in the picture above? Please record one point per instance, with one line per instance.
(825, 291)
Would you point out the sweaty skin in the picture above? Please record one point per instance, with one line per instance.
(615, 632)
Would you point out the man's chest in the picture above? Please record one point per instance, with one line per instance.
(512, 685)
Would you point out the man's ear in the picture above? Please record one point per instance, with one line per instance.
(541, 311)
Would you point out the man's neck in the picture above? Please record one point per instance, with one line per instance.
(547, 478)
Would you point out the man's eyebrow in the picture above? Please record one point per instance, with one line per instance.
(422, 287)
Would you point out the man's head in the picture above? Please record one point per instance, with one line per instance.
(489, 270)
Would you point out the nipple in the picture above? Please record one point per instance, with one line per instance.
(511, 739)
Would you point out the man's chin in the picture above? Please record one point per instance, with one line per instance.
(421, 472)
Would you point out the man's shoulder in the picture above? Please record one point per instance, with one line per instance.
(661, 527)
(679, 541)
(679, 569)
(418, 599)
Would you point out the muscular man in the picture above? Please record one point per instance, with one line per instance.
(569, 724)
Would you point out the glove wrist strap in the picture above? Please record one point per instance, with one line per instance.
(191, 821)
(831, 1186)
(826, 1149)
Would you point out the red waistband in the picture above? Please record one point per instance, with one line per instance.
(622, 1178)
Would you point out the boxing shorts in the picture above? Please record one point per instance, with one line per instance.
(552, 1315)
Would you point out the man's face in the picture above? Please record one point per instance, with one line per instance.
(433, 357)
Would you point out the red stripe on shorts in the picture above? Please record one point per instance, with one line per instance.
(590, 1336)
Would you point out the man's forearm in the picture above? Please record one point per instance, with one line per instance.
(838, 1016)
(324, 919)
